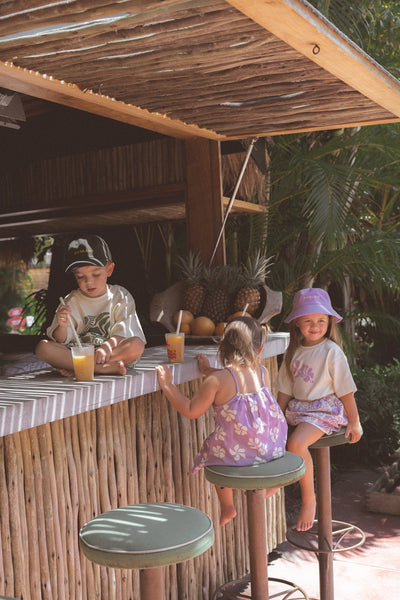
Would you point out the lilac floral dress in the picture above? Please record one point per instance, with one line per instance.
(250, 428)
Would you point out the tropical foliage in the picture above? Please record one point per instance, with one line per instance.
(334, 206)
(379, 408)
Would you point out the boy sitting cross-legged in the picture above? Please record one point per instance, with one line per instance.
(103, 314)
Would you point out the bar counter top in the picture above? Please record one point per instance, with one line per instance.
(42, 396)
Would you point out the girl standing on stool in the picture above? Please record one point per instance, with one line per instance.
(250, 426)
(315, 386)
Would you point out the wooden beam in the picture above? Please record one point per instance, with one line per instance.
(39, 85)
(302, 27)
(157, 204)
(244, 208)
(204, 209)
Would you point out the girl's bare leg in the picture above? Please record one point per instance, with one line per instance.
(228, 511)
(303, 436)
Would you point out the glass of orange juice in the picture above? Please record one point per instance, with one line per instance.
(83, 359)
(175, 347)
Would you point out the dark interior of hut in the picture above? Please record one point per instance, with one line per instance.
(53, 132)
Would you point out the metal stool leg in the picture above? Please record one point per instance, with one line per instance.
(324, 500)
(257, 524)
(151, 584)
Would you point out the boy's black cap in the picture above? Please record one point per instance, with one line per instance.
(86, 251)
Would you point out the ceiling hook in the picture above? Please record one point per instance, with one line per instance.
(316, 49)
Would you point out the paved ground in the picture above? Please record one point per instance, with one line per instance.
(371, 572)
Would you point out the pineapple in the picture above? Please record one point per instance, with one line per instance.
(192, 271)
(217, 303)
(252, 276)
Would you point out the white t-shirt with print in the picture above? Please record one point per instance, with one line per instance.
(98, 319)
(318, 371)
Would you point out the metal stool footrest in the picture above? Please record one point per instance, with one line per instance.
(345, 537)
(240, 589)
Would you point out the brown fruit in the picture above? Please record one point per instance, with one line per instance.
(185, 328)
(238, 314)
(187, 317)
(202, 326)
(220, 328)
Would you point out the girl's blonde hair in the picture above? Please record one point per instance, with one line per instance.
(241, 342)
(332, 333)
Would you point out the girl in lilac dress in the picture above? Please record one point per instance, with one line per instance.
(315, 386)
(249, 425)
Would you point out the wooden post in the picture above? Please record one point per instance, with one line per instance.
(257, 522)
(204, 208)
(324, 501)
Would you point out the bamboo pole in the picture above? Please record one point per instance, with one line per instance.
(7, 579)
(18, 544)
(50, 504)
(79, 573)
(31, 516)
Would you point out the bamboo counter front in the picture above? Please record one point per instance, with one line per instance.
(70, 451)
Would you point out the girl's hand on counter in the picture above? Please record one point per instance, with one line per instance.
(203, 363)
(164, 375)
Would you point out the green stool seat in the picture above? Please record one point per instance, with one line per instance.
(147, 536)
(254, 480)
(276, 473)
(333, 439)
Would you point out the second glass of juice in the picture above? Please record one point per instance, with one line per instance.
(175, 347)
(83, 359)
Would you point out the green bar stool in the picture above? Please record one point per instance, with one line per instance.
(326, 536)
(254, 480)
(147, 537)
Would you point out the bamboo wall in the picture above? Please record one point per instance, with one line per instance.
(65, 180)
(56, 477)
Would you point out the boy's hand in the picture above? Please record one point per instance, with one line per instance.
(102, 354)
(203, 363)
(164, 375)
(62, 316)
(353, 432)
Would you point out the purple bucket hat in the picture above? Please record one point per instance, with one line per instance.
(309, 301)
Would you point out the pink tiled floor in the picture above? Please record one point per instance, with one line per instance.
(371, 572)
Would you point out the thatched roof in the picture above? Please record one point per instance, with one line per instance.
(217, 69)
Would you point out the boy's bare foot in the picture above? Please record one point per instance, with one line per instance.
(306, 516)
(111, 368)
(227, 514)
(270, 492)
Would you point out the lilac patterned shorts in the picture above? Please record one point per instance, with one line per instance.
(327, 413)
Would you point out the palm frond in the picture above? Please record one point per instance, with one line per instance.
(375, 260)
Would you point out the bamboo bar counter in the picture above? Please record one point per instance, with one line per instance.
(70, 451)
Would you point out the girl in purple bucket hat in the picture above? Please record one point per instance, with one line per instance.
(315, 386)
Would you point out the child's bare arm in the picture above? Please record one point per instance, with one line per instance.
(192, 408)
(60, 332)
(353, 428)
(204, 365)
(283, 400)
